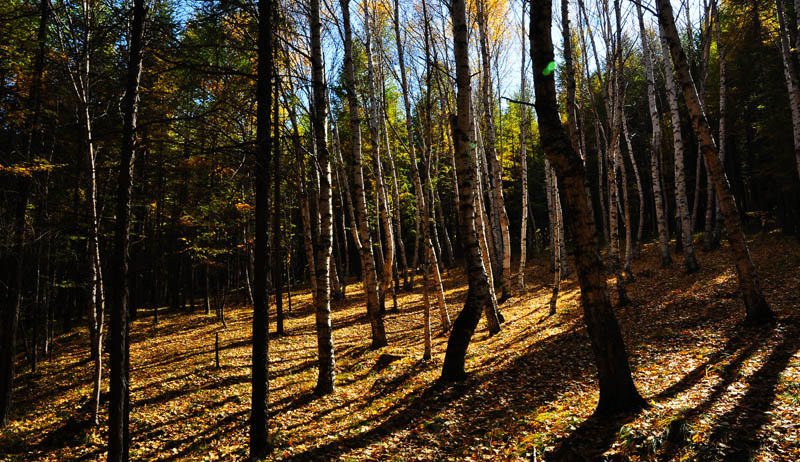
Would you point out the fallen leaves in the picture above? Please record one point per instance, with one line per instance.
(530, 387)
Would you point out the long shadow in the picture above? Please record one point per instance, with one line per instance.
(736, 432)
(484, 399)
(190, 443)
(189, 388)
(741, 346)
(427, 402)
(590, 440)
(68, 434)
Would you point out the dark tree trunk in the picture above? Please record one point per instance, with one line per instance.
(9, 314)
(275, 252)
(259, 444)
(617, 390)
(119, 396)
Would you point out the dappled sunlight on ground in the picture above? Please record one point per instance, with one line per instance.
(716, 389)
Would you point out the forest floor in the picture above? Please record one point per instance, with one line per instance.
(718, 391)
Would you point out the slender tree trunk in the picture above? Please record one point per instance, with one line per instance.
(423, 201)
(690, 264)
(409, 131)
(792, 81)
(478, 292)
(496, 183)
(259, 411)
(119, 396)
(637, 250)
(617, 390)
(723, 115)
(758, 311)
(384, 217)
(655, 147)
(370, 276)
(276, 252)
(523, 158)
(557, 216)
(326, 361)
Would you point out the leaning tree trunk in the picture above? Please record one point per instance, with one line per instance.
(617, 390)
(370, 275)
(326, 362)
(478, 292)
(758, 311)
(689, 258)
(119, 403)
(655, 147)
(496, 183)
(259, 409)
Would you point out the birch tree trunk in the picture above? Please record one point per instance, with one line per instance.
(523, 157)
(655, 147)
(758, 311)
(375, 116)
(553, 193)
(690, 264)
(792, 81)
(723, 116)
(496, 183)
(370, 277)
(426, 206)
(639, 190)
(326, 361)
(478, 292)
(409, 131)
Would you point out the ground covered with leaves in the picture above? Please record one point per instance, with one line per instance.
(717, 390)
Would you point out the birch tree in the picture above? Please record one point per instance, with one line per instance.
(757, 308)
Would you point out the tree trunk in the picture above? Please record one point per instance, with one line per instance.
(119, 396)
(639, 190)
(15, 264)
(758, 311)
(655, 147)
(617, 390)
(409, 131)
(792, 81)
(723, 115)
(327, 364)
(370, 276)
(384, 218)
(276, 251)
(496, 183)
(259, 410)
(690, 264)
(523, 159)
(478, 292)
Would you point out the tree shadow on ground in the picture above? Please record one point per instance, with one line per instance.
(482, 400)
(736, 433)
